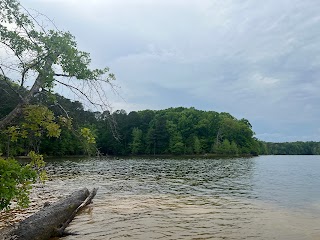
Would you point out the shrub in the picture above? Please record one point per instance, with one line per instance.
(15, 183)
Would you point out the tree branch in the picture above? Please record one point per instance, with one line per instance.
(6, 79)
(34, 89)
(78, 90)
(62, 75)
(29, 66)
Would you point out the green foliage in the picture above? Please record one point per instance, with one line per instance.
(197, 145)
(290, 148)
(39, 49)
(36, 122)
(170, 131)
(177, 148)
(226, 148)
(15, 183)
(16, 180)
(176, 131)
(88, 140)
(136, 145)
(176, 145)
(38, 119)
(13, 133)
(37, 163)
(233, 148)
(36, 53)
(87, 135)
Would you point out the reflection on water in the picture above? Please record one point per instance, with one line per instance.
(194, 198)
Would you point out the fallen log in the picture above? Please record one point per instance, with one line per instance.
(51, 220)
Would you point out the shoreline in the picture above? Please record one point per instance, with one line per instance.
(40, 195)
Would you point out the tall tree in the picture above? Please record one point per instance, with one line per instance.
(48, 54)
(32, 54)
(136, 145)
(197, 145)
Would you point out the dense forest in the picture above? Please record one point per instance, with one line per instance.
(173, 131)
(293, 148)
(170, 131)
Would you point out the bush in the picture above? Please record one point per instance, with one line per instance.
(15, 183)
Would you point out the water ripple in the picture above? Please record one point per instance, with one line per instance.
(190, 198)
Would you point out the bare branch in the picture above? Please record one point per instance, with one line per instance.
(7, 81)
(62, 75)
(9, 67)
(30, 66)
(78, 90)
(62, 108)
(33, 18)
(15, 53)
(34, 89)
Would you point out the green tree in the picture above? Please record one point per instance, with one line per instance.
(177, 148)
(225, 147)
(215, 147)
(197, 145)
(43, 58)
(233, 148)
(151, 141)
(136, 145)
(158, 136)
(176, 145)
(38, 51)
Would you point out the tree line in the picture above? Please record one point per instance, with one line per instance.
(293, 148)
(175, 131)
(172, 131)
(149, 132)
(152, 132)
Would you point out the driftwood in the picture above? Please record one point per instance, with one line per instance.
(51, 220)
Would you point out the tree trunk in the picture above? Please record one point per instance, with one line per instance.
(51, 220)
(39, 82)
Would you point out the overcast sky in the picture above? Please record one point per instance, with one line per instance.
(258, 60)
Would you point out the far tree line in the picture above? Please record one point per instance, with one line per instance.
(173, 131)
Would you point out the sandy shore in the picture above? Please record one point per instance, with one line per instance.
(40, 195)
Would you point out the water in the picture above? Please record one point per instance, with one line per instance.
(267, 197)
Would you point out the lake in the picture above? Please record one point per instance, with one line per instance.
(265, 197)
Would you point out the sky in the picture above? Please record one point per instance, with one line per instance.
(258, 60)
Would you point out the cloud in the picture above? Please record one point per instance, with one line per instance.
(255, 59)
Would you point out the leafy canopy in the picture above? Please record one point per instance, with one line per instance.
(34, 46)
(44, 58)
(32, 54)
